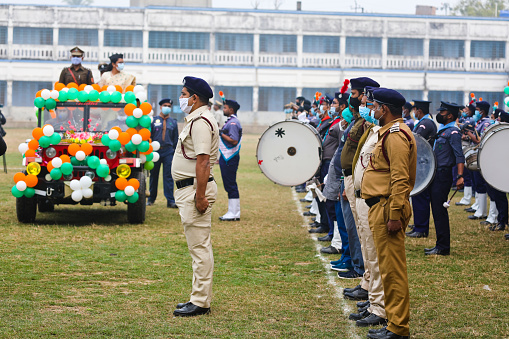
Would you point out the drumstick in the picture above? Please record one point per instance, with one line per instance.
(446, 204)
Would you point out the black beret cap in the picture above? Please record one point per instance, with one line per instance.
(361, 83)
(199, 86)
(423, 105)
(484, 105)
(368, 91)
(165, 101)
(497, 112)
(342, 97)
(451, 107)
(504, 116)
(407, 105)
(233, 104)
(388, 96)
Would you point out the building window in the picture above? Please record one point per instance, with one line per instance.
(120, 38)
(158, 92)
(447, 48)
(33, 36)
(3, 92)
(406, 47)
(271, 43)
(243, 95)
(78, 37)
(178, 40)
(487, 49)
(436, 96)
(363, 46)
(23, 92)
(411, 94)
(3, 35)
(273, 99)
(492, 97)
(234, 42)
(320, 44)
(309, 93)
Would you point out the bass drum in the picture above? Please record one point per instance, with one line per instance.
(426, 165)
(493, 160)
(289, 152)
(471, 154)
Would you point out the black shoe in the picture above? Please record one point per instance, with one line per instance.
(300, 191)
(308, 214)
(350, 290)
(171, 205)
(378, 330)
(436, 251)
(320, 229)
(410, 227)
(308, 206)
(506, 237)
(470, 210)
(485, 223)
(303, 200)
(358, 316)
(360, 294)
(325, 238)
(361, 304)
(414, 234)
(362, 309)
(181, 305)
(498, 227)
(386, 334)
(313, 219)
(315, 224)
(329, 250)
(474, 217)
(190, 310)
(371, 320)
(349, 275)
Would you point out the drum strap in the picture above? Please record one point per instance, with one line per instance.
(384, 152)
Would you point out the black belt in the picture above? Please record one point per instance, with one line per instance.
(373, 201)
(187, 182)
(347, 172)
(357, 193)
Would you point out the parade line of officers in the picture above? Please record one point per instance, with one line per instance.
(367, 172)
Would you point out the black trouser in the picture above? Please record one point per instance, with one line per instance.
(439, 191)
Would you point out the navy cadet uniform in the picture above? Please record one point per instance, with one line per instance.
(427, 129)
(448, 153)
(407, 117)
(165, 131)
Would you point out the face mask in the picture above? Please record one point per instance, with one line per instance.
(364, 112)
(492, 121)
(313, 111)
(354, 102)
(76, 60)
(183, 102)
(122, 117)
(166, 110)
(477, 116)
(440, 119)
(375, 120)
(347, 115)
(464, 114)
(120, 67)
(333, 113)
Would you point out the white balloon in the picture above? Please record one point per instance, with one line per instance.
(54, 94)
(88, 88)
(21, 185)
(22, 148)
(103, 162)
(138, 88)
(45, 94)
(142, 96)
(111, 89)
(156, 145)
(80, 155)
(87, 193)
(65, 89)
(143, 158)
(77, 195)
(56, 162)
(107, 178)
(136, 139)
(156, 156)
(113, 134)
(47, 177)
(85, 182)
(75, 185)
(137, 113)
(129, 190)
(123, 99)
(48, 130)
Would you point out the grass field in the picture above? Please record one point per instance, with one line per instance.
(84, 272)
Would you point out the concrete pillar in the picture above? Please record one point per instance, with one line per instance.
(384, 52)
(300, 44)
(55, 36)
(100, 46)
(342, 51)
(10, 35)
(256, 91)
(466, 96)
(507, 56)
(256, 51)
(8, 97)
(426, 54)
(425, 94)
(146, 31)
(212, 48)
(467, 54)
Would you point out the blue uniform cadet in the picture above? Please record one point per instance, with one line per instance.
(229, 147)
(165, 131)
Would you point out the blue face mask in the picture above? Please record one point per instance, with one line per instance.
(464, 114)
(477, 116)
(372, 117)
(347, 115)
(364, 112)
(76, 60)
(166, 110)
(492, 121)
(288, 111)
(120, 66)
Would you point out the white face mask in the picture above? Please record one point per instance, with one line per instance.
(120, 66)
(183, 102)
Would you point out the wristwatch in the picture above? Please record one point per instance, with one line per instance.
(459, 176)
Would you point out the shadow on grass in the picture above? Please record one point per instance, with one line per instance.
(84, 216)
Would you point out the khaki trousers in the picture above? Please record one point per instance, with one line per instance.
(392, 262)
(197, 228)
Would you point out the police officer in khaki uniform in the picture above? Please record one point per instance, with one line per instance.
(386, 186)
(76, 73)
(196, 153)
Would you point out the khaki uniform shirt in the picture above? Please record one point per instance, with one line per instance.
(83, 76)
(395, 180)
(200, 135)
(352, 141)
(364, 156)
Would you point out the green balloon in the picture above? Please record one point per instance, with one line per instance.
(72, 94)
(93, 95)
(93, 162)
(119, 195)
(105, 97)
(129, 97)
(50, 104)
(62, 96)
(16, 192)
(55, 139)
(29, 192)
(55, 173)
(144, 146)
(44, 141)
(149, 165)
(74, 161)
(115, 145)
(145, 121)
(39, 102)
(105, 139)
(116, 97)
(83, 96)
(506, 90)
(150, 156)
(66, 168)
(131, 122)
(130, 147)
(133, 198)
(103, 170)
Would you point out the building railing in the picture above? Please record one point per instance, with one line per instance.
(446, 64)
(363, 61)
(405, 62)
(168, 56)
(233, 58)
(64, 53)
(276, 60)
(31, 52)
(4, 52)
(131, 54)
(321, 60)
(483, 65)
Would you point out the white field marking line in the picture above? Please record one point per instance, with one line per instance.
(347, 309)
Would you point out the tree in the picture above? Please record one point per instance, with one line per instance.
(479, 7)
(278, 3)
(78, 2)
(255, 3)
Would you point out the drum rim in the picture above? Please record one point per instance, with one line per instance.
(412, 193)
(503, 126)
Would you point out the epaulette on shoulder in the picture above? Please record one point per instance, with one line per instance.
(394, 128)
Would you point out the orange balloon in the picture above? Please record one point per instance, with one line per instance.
(82, 87)
(96, 87)
(124, 138)
(30, 153)
(145, 133)
(87, 148)
(49, 166)
(146, 107)
(72, 85)
(38, 94)
(104, 88)
(134, 183)
(129, 88)
(31, 180)
(59, 86)
(131, 131)
(119, 88)
(118, 129)
(129, 108)
(65, 158)
(37, 133)
(150, 150)
(73, 148)
(19, 177)
(33, 144)
(52, 113)
(71, 108)
(121, 183)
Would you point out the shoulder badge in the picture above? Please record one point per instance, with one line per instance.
(422, 126)
(394, 128)
(454, 132)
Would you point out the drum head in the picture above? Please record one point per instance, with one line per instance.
(493, 160)
(289, 152)
(426, 165)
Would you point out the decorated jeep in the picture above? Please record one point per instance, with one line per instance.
(91, 146)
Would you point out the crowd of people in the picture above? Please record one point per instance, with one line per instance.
(367, 172)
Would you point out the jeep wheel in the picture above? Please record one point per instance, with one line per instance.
(136, 211)
(26, 209)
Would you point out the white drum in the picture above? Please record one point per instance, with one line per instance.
(289, 152)
(493, 157)
(471, 154)
(426, 165)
